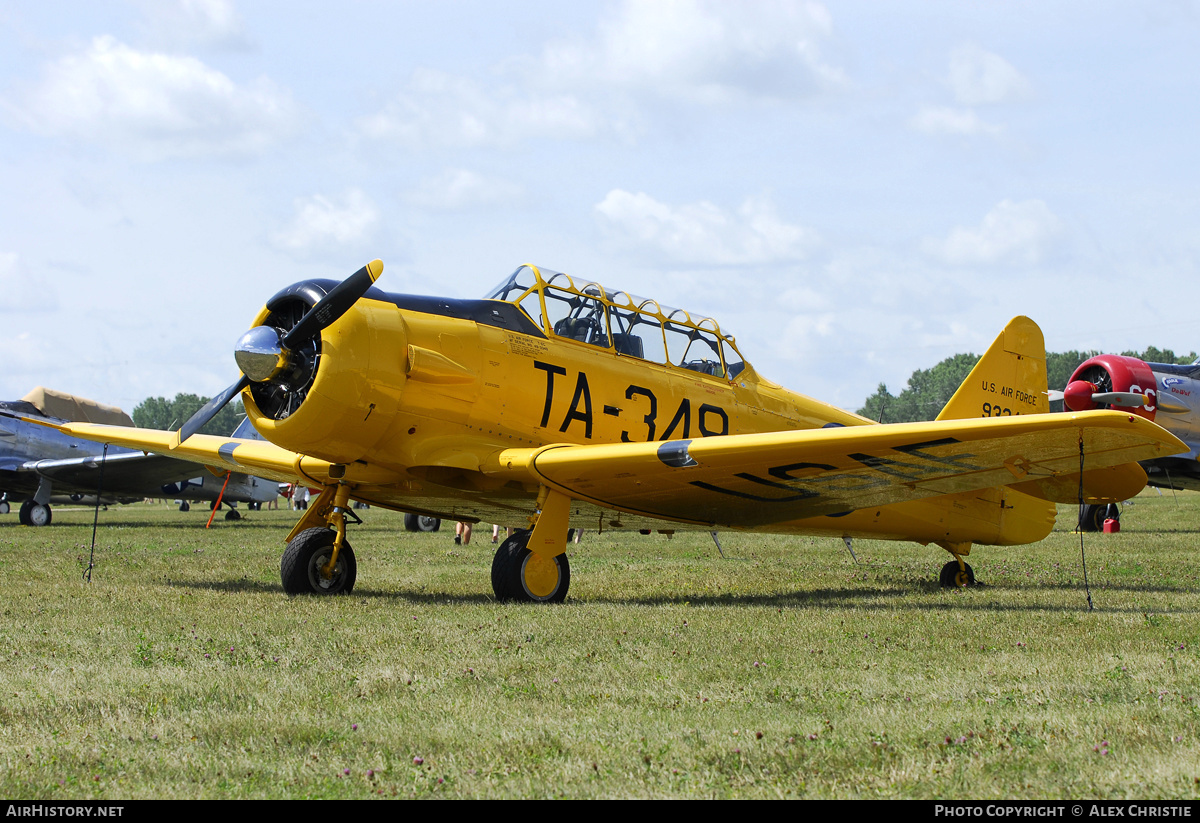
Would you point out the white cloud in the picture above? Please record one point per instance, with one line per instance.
(157, 105)
(460, 189)
(950, 120)
(703, 233)
(1011, 232)
(209, 23)
(22, 290)
(328, 222)
(705, 50)
(438, 109)
(979, 77)
(693, 50)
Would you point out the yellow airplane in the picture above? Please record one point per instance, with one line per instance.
(558, 403)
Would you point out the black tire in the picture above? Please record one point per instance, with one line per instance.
(510, 578)
(1092, 517)
(185, 506)
(35, 514)
(950, 577)
(300, 567)
(500, 563)
(421, 523)
(233, 514)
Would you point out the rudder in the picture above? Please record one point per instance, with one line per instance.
(1009, 379)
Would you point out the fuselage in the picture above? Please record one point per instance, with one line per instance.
(1178, 404)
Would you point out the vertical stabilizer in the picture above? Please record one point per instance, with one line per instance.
(1009, 379)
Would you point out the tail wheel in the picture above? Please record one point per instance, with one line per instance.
(521, 575)
(301, 568)
(953, 577)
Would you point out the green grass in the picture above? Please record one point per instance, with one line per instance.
(784, 669)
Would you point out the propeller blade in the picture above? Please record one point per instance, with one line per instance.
(1119, 398)
(198, 420)
(1055, 394)
(333, 305)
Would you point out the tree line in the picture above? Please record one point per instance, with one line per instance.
(168, 415)
(929, 390)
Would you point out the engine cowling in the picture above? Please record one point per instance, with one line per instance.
(1107, 373)
(341, 391)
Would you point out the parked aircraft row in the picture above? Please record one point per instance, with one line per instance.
(556, 402)
(41, 466)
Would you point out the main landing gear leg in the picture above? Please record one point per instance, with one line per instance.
(532, 564)
(318, 558)
(956, 573)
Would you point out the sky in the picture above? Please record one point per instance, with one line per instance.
(854, 190)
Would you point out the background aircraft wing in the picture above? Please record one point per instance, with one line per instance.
(127, 472)
(757, 479)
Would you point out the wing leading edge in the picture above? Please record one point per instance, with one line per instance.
(221, 453)
(754, 480)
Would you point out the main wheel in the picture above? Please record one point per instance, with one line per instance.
(185, 506)
(233, 514)
(300, 568)
(34, 514)
(1091, 518)
(519, 574)
(953, 577)
(421, 523)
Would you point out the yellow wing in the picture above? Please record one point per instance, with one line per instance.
(220, 453)
(753, 480)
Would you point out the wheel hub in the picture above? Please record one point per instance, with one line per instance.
(316, 571)
(540, 576)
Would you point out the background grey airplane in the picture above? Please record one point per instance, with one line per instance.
(1167, 393)
(40, 466)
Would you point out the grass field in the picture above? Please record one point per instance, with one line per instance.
(784, 669)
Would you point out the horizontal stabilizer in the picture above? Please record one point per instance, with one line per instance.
(1108, 485)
